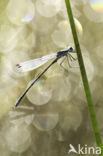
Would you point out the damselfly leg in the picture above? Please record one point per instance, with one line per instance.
(61, 64)
(69, 58)
(72, 58)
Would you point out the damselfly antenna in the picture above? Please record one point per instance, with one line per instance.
(35, 63)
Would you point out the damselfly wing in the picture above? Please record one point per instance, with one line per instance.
(34, 63)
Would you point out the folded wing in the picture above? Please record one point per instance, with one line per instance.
(35, 63)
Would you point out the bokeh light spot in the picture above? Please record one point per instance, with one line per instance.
(24, 11)
(78, 26)
(97, 5)
(39, 94)
(13, 137)
(62, 35)
(48, 8)
(46, 122)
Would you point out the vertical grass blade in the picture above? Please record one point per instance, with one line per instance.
(84, 77)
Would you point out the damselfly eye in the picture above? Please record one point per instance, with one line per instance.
(71, 49)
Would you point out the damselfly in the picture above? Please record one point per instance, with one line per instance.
(35, 63)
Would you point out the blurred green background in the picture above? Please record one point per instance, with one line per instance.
(54, 113)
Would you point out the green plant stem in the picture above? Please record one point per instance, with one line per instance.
(84, 76)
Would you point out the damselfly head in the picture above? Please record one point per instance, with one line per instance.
(70, 49)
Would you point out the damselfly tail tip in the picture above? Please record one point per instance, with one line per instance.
(17, 103)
